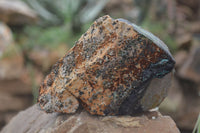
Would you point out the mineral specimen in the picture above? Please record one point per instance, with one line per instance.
(108, 71)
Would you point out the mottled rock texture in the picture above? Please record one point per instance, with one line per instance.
(108, 71)
(33, 120)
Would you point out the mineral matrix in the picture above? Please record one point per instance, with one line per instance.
(107, 71)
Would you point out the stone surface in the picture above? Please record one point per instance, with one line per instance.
(15, 12)
(108, 71)
(33, 120)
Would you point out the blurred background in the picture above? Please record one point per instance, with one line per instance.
(34, 34)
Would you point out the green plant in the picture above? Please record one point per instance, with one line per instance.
(77, 12)
(197, 126)
(61, 22)
(46, 37)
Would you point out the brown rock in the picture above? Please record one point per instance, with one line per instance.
(108, 71)
(33, 120)
(16, 12)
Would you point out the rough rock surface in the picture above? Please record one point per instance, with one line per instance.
(108, 71)
(15, 12)
(33, 120)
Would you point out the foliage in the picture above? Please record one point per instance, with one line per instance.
(197, 126)
(61, 21)
(62, 11)
(46, 37)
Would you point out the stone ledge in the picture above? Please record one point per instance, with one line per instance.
(33, 120)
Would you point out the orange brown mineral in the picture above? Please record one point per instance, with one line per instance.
(108, 71)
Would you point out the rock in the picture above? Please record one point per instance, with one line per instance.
(33, 120)
(15, 12)
(157, 85)
(108, 71)
(5, 38)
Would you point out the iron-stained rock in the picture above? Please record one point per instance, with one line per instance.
(108, 71)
